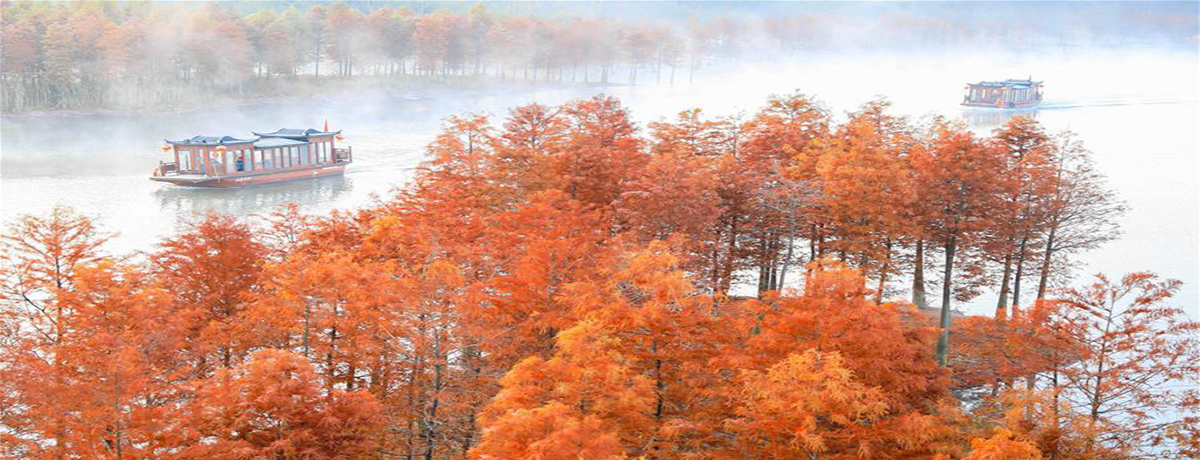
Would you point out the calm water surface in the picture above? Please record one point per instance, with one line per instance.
(1136, 110)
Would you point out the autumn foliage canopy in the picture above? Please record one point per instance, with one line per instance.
(567, 284)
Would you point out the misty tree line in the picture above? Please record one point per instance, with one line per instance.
(91, 55)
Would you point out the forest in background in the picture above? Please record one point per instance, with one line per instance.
(556, 284)
(177, 55)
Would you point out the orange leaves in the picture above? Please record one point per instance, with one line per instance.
(531, 136)
(585, 399)
(41, 253)
(863, 192)
(273, 406)
(537, 249)
(1002, 446)
(551, 432)
(801, 403)
(673, 195)
(636, 359)
(1036, 339)
(834, 315)
(213, 268)
(959, 179)
(601, 151)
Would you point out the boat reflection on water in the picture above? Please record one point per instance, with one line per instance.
(988, 119)
(257, 199)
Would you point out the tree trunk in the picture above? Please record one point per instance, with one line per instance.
(918, 287)
(943, 346)
(307, 324)
(883, 272)
(1002, 303)
(1016, 293)
(787, 259)
(1045, 272)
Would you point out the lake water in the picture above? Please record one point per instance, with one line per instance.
(1137, 110)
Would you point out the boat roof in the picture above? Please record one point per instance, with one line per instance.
(280, 138)
(210, 140)
(1010, 83)
(297, 133)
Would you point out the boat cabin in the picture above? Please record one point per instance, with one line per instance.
(266, 157)
(1007, 94)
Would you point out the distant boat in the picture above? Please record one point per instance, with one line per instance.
(227, 161)
(1007, 94)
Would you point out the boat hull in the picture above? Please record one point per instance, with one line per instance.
(244, 180)
(1008, 105)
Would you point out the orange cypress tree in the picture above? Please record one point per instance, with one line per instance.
(669, 331)
(538, 249)
(272, 406)
(958, 188)
(863, 193)
(214, 269)
(657, 333)
(39, 258)
(805, 405)
(531, 137)
(672, 196)
(776, 137)
(601, 151)
(1028, 182)
(1137, 348)
(834, 314)
(125, 364)
(584, 402)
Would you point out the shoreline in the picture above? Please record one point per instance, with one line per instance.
(344, 91)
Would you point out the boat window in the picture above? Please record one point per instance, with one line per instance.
(218, 163)
(295, 156)
(240, 162)
(304, 154)
(257, 155)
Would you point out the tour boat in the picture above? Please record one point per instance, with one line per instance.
(1007, 94)
(227, 161)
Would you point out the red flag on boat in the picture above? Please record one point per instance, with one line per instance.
(326, 124)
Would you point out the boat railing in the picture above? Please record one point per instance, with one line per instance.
(167, 168)
(342, 155)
